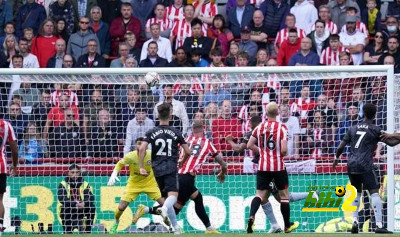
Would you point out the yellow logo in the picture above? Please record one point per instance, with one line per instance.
(340, 191)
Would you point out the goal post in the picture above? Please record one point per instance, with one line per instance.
(228, 204)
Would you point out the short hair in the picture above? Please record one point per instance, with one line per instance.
(290, 15)
(369, 111)
(344, 53)
(139, 139)
(216, 52)
(293, 31)
(155, 24)
(243, 54)
(164, 111)
(9, 23)
(197, 126)
(74, 167)
(23, 39)
(272, 109)
(28, 29)
(93, 40)
(195, 52)
(17, 56)
(323, 7)
(46, 91)
(18, 97)
(371, 1)
(320, 21)
(95, 8)
(393, 37)
(349, 9)
(255, 120)
(196, 21)
(334, 37)
(126, 4)
(152, 42)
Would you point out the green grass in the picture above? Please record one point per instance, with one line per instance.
(221, 235)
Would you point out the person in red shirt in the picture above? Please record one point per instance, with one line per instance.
(224, 125)
(43, 45)
(288, 48)
(56, 115)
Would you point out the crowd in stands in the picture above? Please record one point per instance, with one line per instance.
(101, 120)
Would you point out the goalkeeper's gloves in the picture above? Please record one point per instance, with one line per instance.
(113, 178)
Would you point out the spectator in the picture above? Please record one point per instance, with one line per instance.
(180, 59)
(358, 96)
(284, 97)
(17, 61)
(189, 98)
(392, 28)
(304, 57)
(164, 45)
(164, 22)
(254, 109)
(246, 44)
(128, 109)
(174, 12)
(306, 14)
(288, 48)
(10, 48)
(9, 29)
(302, 106)
(68, 140)
(77, 202)
(262, 58)
(325, 16)
(137, 127)
(372, 17)
(360, 26)
(121, 25)
(179, 110)
(153, 60)
(63, 9)
(226, 125)
(293, 126)
(394, 9)
(210, 113)
(182, 29)
(330, 55)
(17, 119)
(205, 10)
(56, 115)
(216, 56)
(91, 58)
(30, 60)
(284, 33)
(28, 34)
(330, 113)
(318, 140)
(78, 42)
(275, 12)
(374, 50)
(134, 52)
(239, 17)
(101, 30)
(255, 98)
(393, 49)
(110, 9)
(198, 117)
(258, 30)
(28, 94)
(201, 44)
(32, 148)
(143, 10)
(346, 85)
(41, 109)
(353, 40)
(389, 60)
(197, 61)
(319, 37)
(68, 61)
(6, 15)
(351, 119)
(231, 58)
(57, 60)
(43, 44)
(82, 9)
(338, 10)
(104, 136)
(61, 29)
(218, 31)
(377, 95)
(123, 52)
(216, 95)
(30, 15)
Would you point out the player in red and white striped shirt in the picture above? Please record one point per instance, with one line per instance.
(201, 148)
(271, 138)
(284, 33)
(7, 135)
(161, 19)
(330, 55)
(205, 11)
(175, 11)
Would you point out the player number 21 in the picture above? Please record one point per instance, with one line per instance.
(362, 134)
(161, 150)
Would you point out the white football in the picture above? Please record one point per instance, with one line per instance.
(152, 79)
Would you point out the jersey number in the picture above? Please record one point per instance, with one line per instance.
(270, 143)
(195, 150)
(161, 151)
(362, 134)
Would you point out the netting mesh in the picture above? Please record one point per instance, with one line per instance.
(93, 120)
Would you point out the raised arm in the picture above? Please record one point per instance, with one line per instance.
(236, 147)
(142, 153)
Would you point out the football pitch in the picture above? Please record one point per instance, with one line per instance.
(220, 235)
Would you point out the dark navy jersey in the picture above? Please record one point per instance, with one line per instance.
(256, 156)
(363, 139)
(165, 141)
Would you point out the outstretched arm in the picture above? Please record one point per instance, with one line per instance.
(391, 139)
(236, 147)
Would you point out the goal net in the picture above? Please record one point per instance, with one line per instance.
(91, 118)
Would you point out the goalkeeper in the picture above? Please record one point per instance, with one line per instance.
(136, 184)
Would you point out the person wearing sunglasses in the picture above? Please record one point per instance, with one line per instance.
(375, 49)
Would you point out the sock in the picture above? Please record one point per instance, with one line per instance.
(377, 204)
(356, 203)
(177, 210)
(285, 209)
(297, 196)
(169, 202)
(255, 204)
(1, 223)
(172, 217)
(117, 214)
(201, 211)
(267, 208)
(153, 210)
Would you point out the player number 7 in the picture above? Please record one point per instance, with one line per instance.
(362, 134)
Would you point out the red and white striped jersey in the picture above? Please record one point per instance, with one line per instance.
(201, 148)
(181, 30)
(207, 10)
(269, 135)
(174, 14)
(284, 34)
(360, 26)
(55, 95)
(330, 57)
(195, 86)
(302, 107)
(6, 135)
(330, 26)
(164, 23)
(317, 151)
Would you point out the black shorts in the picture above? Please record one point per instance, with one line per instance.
(188, 187)
(168, 183)
(3, 183)
(280, 178)
(367, 181)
